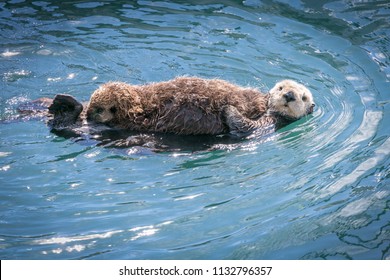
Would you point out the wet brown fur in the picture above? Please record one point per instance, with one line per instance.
(185, 105)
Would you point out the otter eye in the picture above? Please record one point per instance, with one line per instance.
(113, 110)
(304, 98)
(280, 88)
(99, 110)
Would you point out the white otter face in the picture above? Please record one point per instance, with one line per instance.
(291, 100)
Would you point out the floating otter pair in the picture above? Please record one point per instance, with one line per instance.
(187, 106)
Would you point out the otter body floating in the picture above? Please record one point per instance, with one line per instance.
(192, 106)
(185, 106)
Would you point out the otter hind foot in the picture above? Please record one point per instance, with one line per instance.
(65, 111)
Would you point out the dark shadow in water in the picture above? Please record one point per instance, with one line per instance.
(147, 141)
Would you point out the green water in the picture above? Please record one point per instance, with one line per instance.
(317, 189)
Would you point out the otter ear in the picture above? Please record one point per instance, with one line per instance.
(65, 110)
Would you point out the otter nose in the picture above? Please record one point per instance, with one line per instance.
(289, 96)
(311, 109)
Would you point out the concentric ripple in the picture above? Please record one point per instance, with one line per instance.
(316, 189)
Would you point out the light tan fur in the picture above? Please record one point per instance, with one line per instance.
(295, 109)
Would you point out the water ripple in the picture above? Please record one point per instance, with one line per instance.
(317, 188)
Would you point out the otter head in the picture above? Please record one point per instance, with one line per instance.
(114, 104)
(290, 100)
(103, 104)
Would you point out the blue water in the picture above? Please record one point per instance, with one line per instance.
(317, 189)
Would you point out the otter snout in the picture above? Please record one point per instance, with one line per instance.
(289, 96)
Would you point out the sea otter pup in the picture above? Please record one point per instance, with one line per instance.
(192, 106)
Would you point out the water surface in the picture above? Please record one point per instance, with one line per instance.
(317, 189)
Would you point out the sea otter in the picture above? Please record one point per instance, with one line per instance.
(194, 106)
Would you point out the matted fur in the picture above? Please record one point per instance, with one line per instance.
(185, 105)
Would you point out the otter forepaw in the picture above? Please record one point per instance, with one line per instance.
(237, 123)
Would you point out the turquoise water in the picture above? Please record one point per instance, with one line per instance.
(317, 189)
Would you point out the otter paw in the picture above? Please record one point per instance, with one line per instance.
(65, 110)
(65, 103)
(237, 123)
(233, 119)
